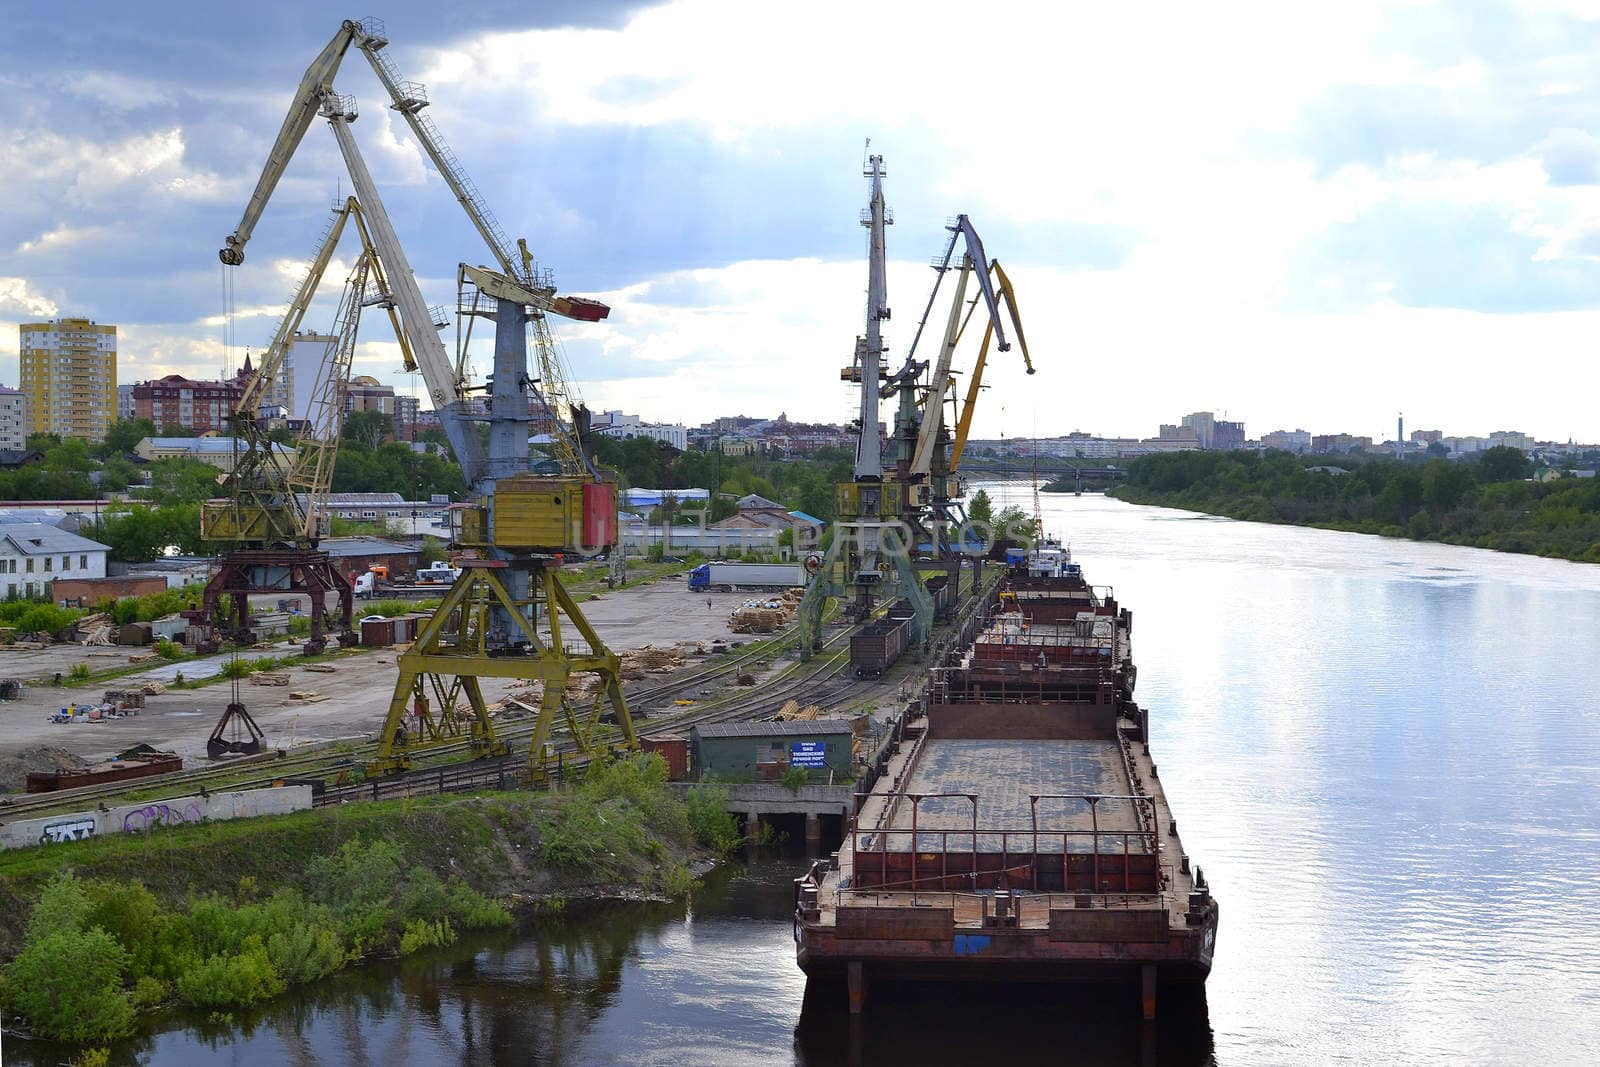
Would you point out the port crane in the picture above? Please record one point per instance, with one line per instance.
(518, 524)
(275, 511)
(886, 513)
(870, 557)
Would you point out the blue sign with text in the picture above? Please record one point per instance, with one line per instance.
(808, 754)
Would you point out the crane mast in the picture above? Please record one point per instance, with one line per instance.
(869, 350)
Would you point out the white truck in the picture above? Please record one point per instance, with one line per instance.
(730, 576)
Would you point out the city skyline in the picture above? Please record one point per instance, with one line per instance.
(1344, 247)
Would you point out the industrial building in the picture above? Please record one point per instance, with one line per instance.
(69, 377)
(763, 751)
(354, 556)
(217, 451)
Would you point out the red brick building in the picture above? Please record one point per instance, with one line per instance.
(200, 406)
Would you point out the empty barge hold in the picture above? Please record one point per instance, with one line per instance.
(1018, 830)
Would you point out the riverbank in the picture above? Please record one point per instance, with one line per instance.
(223, 915)
(1490, 502)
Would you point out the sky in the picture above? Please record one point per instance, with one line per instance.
(1299, 216)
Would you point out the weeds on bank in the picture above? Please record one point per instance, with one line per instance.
(97, 952)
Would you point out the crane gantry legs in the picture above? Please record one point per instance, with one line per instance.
(438, 699)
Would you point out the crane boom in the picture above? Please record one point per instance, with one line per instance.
(318, 81)
(276, 500)
(975, 261)
(964, 422)
(409, 99)
(438, 369)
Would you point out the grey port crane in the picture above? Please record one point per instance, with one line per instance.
(520, 524)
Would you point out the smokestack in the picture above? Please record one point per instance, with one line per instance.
(1400, 438)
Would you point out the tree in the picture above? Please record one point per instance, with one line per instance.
(180, 481)
(980, 508)
(1437, 448)
(175, 429)
(123, 435)
(1014, 524)
(1445, 485)
(1503, 463)
(367, 428)
(118, 474)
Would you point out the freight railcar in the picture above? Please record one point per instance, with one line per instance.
(875, 647)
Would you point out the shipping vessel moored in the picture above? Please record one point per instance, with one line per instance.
(1018, 829)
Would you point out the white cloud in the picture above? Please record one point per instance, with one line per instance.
(17, 297)
(60, 237)
(762, 336)
(117, 91)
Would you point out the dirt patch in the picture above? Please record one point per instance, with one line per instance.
(14, 766)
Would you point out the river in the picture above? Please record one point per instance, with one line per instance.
(1385, 755)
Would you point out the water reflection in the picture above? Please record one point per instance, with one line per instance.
(989, 1024)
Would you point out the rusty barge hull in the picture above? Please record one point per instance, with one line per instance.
(1018, 830)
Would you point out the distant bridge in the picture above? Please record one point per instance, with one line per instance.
(1049, 469)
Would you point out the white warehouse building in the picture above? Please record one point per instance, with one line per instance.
(32, 555)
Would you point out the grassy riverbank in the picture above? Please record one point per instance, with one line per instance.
(222, 915)
(1490, 502)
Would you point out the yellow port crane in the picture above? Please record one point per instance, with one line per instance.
(964, 421)
(507, 616)
(275, 511)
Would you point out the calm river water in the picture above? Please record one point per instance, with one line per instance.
(1385, 755)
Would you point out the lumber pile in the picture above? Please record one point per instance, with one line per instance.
(793, 712)
(269, 678)
(96, 629)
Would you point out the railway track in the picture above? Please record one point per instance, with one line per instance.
(799, 680)
(321, 761)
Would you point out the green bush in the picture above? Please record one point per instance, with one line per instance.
(128, 912)
(358, 877)
(67, 980)
(168, 649)
(794, 778)
(712, 824)
(306, 952)
(30, 617)
(149, 992)
(79, 672)
(222, 981)
(236, 668)
(421, 934)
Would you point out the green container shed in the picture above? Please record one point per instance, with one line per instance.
(763, 751)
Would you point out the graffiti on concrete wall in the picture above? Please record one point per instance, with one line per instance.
(153, 815)
(75, 829)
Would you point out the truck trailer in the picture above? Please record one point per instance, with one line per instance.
(731, 576)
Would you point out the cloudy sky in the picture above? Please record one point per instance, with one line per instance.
(1302, 216)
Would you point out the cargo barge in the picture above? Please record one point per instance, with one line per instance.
(1017, 829)
(141, 761)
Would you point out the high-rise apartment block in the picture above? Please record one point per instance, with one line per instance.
(13, 419)
(69, 377)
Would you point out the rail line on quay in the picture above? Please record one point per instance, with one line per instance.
(309, 763)
(449, 772)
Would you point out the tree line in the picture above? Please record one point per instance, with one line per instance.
(1489, 501)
